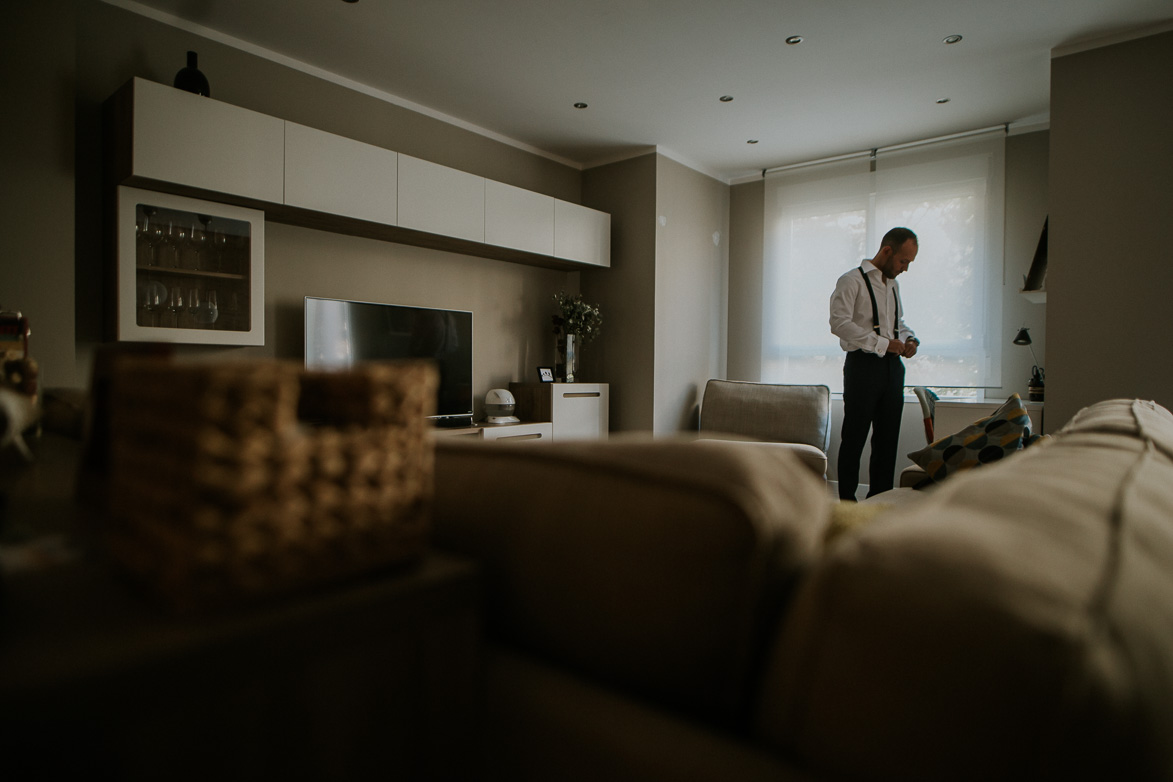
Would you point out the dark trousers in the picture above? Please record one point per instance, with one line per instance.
(873, 398)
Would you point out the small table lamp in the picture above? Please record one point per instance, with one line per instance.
(1034, 388)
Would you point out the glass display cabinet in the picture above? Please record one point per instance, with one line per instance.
(188, 270)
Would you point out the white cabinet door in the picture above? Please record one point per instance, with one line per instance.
(518, 219)
(580, 411)
(441, 200)
(337, 175)
(188, 139)
(518, 433)
(582, 234)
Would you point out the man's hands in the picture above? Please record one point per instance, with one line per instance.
(906, 349)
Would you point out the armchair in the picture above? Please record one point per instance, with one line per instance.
(794, 416)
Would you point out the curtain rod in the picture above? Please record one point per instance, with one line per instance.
(1005, 128)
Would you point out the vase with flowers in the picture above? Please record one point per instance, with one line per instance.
(575, 324)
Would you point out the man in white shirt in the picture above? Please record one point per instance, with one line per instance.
(867, 317)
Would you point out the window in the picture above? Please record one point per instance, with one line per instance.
(823, 219)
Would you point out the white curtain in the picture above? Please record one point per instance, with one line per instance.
(823, 219)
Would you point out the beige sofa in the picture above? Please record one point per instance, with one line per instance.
(668, 610)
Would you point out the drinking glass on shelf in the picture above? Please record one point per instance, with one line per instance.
(199, 241)
(152, 234)
(210, 310)
(194, 305)
(181, 233)
(220, 247)
(141, 248)
(154, 296)
(169, 243)
(175, 303)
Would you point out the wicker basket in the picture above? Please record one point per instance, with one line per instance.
(238, 479)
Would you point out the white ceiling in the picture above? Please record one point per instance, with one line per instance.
(868, 73)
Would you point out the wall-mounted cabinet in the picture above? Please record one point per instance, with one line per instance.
(582, 234)
(167, 139)
(439, 200)
(181, 138)
(519, 219)
(340, 176)
(188, 271)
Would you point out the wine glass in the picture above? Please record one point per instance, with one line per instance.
(180, 232)
(154, 295)
(194, 305)
(200, 240)
(152, 233)
(175, 303)
(211, 310)
(220, 245)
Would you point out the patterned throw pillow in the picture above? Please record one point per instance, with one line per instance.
(1006, 430)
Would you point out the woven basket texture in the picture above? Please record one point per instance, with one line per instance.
(250, 478)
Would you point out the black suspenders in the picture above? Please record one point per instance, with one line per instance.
(876, 310)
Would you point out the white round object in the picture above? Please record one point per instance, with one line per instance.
(499, 396)
(499, 404)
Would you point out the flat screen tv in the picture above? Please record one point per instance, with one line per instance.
(340, 334)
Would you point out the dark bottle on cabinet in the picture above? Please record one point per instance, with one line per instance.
(191, 79)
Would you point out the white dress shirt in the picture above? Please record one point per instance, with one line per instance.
(851, 311)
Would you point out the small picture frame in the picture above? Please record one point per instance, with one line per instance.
(546, 374)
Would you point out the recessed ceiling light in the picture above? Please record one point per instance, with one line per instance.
(952, 39)
(943, 100)
(580, 105)
(726, 98)
(752, 141)
(794, 39)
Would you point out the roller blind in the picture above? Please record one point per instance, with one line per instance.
(823, 219)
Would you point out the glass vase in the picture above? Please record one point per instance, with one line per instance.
(567, 364)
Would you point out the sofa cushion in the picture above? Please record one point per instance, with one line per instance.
(986, 440)
(1016, 623)
(655, 565)
(813, 458)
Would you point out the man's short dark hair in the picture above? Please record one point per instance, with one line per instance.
(897, 237)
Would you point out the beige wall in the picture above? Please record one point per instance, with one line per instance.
(36, 181)
(1110, 278)
(59, 246)
(664, 296)
(625, 354)
(746, 247)
(692, 255)
(1026, 212)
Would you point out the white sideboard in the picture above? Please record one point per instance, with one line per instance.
(166, 139)
(578, 411)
